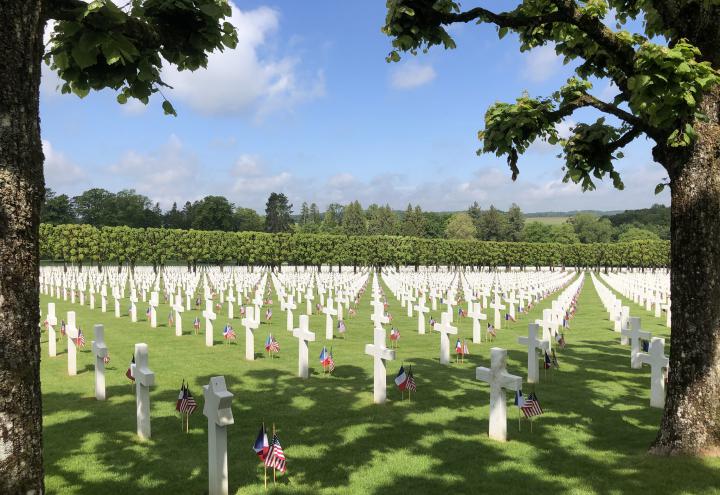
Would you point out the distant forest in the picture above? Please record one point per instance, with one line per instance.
(99, 208)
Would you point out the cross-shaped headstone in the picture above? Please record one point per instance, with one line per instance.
(533, 343)
(476, 315)
(178, 308)
(218, 410)
(103, 299)
(144, 379)
(378, 316)
(71, 332)
(133, 306)
(154, 303)
(231, 305)
(511, 302)
(329, 311)
(308, 301)
(304, 335)
(548, 327)
(251, 324)
(289, 305)
(658, 361)
(209, 316)
(445, 330)
(421, 309)
(100, 351)
(499, 379)
(410, 299)
(634, 333)
(116, 298)
(51, 322)
(380, 354)
(497, 306)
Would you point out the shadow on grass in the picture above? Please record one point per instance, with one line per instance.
(592, 437)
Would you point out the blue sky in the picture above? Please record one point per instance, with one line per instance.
(307, 105)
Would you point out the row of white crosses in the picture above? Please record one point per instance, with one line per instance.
(632, 334)
(651, 290)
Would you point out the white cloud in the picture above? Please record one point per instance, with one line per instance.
(170, 173)
(244, 80)
(541, 63)
(60, 171)
(412, 74)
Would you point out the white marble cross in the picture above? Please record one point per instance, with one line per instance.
(116, 298)
(251, 324)
(308, 301)
(144, 379)
(51, 322)
(154, 303)
(133, 306)
(103, 299)
(622, 323)
(304, 335)
(410, 300)
(329, 311)
(533, 343)
(499, 379)
(231, 305)
(421, 309)
(100, 351)
(634, 333)
(288, 306)
(476, 315)
(209, 316)
(511, 302)
(547, 327)
(178, 308)
(380, 354)
(445, 330)
(657, 361)
(71, 332)
(378, 317)
(218, 410)
(497, 306)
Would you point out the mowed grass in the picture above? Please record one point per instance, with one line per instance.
(547, 220)
(592, 438)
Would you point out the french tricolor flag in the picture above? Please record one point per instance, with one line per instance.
(262, 446)
(401, 379)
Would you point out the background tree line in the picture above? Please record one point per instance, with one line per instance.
(101, 208)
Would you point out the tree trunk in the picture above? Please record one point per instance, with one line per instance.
(691, 419)
(21, 194)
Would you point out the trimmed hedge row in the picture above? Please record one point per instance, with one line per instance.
(85, 244)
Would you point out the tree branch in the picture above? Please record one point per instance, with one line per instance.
(62, 10)
(625, 139)
(567, 13)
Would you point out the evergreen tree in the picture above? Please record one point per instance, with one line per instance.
(353, 222)
(278, 213)
(515, 223)
(476, 215)
(332, 221)
(174, 219)
(493, 225)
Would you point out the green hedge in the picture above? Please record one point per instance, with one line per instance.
(89, 245)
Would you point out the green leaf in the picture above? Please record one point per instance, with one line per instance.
(168, 108)
(659, 188)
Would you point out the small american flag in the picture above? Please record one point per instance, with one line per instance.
(276, 457)
(271, 344)
(62, 327)
(229, 333)
(395, 334)
(531, 406)
(196, 323)
(410, 383)
(186, 402)
(80, 340)
(130, 373)
(106, 359)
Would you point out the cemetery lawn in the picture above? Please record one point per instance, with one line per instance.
(592, 438)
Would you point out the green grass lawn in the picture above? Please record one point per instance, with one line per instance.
(591, 439)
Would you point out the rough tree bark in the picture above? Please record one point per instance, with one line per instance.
(21, 194)
(691, 419)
